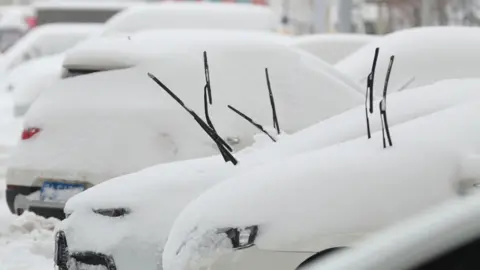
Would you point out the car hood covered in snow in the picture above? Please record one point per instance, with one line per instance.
(338, 193)
(104, 117)
(417, 63)
(165, 189)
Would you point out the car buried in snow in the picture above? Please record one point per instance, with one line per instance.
(127, 219)
(184, 15)
(442, 237)
(293, 211)
(43, 41)
(77, 129)
(450, 53)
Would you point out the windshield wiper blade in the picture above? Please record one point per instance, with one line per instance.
(260, 127)
(383, 107)
(210, 132)
(272, 103)
(369, 92)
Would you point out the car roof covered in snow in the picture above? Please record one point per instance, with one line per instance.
(332, 47)
(123, 50)
(340, 190)
(304, 93)
(184, 15)
(69, 33)
(451, 52)
(414, 241)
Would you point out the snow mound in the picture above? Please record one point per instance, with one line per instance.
(26, 242)
(451, 52)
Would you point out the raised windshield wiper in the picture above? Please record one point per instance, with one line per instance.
(211, 133)
(274, 112)
(369, 92)
(272, 103)
(383, 107)
(250, 120)
(208, 100)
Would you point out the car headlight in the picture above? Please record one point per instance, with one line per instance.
(241, 237)
(112, 212)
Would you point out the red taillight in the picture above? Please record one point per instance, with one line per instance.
(31, 21)
(29, 133)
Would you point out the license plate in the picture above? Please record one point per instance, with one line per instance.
(58, 191)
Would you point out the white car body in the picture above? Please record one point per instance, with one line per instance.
(172, 15)
(440, 238)
(450, 53)
(109, 114)
(137, 239)
(332, 47)
(28, 80)
(326, 199)
(45, 40)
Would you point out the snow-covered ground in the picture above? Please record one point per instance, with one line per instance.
(26, 242)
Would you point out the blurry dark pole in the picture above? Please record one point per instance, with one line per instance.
(427, 12)
(345, 23)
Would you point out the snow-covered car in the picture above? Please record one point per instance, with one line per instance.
(29, 79)
(75, 131)
(45, 40)
(443, 237)
(184, 15)
(294, 210)
(332, 47)
(423, 56)
(127, 50)
(114, 220)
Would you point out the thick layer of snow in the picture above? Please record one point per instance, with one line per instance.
(165, 189)
(26, 242)
(28, 80)
(184, 15)
(339, 193)
(45, 40)
(425, 55)
(123, 50)
(102, 116)
(332, 47)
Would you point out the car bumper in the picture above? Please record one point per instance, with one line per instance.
(23, 190)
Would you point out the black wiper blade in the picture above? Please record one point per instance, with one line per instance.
(208, 100)
(369, 92)
(272, 103)
(260, 127)
(383, 107)
(211, 133)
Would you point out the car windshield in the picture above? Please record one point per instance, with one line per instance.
(8, 37)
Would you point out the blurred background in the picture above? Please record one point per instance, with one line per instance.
(297, 16)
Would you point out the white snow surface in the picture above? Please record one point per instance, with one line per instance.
(96, 115)
(329, 189)
(174, 15)
(332, 47)
(126, 50)
(30, 79)
(167, 188)
(424, 55)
